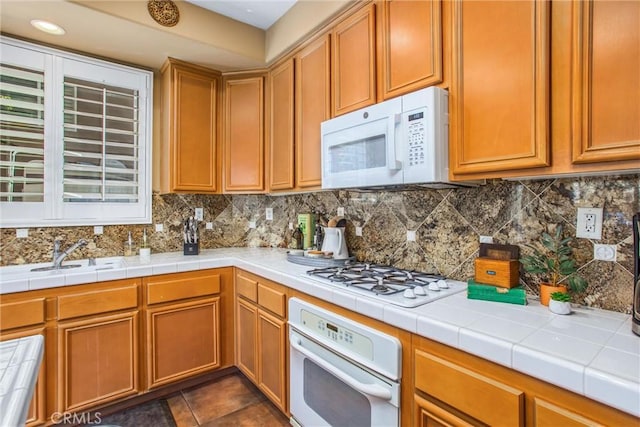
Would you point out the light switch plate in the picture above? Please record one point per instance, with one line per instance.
(340, 211)
(98, 229)
(199, 214)
(22, 233)
(411, 235)
(268, 214)
(359, 231)
(209, 226)
(159, 228)
(252, 224)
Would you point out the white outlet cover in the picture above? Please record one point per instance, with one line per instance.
(199, 214)
(98, 229)
(159, 228)
(22, 233)
(411, 235)
(605, 252)
(359, 231)
(290, 226)
(268, 213)
(340, 211)
(252, 224)
(586, 228)
(209, 226)
(486, 239)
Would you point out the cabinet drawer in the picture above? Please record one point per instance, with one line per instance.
(273, 300)
(23, 313)
(247, 287)
(475, 395)
(181, 286)
(99, 301)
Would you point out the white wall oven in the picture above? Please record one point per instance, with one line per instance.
(342, 373)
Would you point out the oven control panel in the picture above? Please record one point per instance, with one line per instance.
(338, 334)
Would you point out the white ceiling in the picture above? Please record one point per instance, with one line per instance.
(257, 13)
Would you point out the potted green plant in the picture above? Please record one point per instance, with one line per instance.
(560, 303)
(552, 258)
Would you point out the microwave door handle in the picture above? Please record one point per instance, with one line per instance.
(392, 160)
(368, 389)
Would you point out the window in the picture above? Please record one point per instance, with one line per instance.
(75, 139)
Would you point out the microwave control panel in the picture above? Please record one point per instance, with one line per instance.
(416, 138)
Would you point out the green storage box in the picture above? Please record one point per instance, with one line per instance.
(481, 291)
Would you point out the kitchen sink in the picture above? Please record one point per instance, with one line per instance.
(27, 271)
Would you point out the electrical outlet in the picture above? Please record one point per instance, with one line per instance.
(268, 213)
(411, 235)
(209, 226)
(159, 228)
(22, 233)
(605, 252)
(589, 223)
(199, 215)
(98, 229)
(252, 224)
(359, 231)
(486, 239)
(340, 211)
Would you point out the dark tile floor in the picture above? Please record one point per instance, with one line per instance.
(228, 401)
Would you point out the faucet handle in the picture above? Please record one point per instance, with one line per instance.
(56, 244)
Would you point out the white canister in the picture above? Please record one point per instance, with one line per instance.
(145, 254)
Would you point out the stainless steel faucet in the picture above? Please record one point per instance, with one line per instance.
(59, 257)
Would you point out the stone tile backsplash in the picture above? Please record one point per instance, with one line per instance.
(447, 222)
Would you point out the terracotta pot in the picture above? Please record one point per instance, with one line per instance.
(546, 290)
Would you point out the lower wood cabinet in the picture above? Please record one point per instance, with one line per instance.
(261, 341)
(182, 321)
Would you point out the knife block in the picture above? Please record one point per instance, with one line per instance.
(191, 248)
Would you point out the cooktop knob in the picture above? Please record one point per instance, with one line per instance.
(419, 290)
(408, 293)
(442, 284)
(433, 286)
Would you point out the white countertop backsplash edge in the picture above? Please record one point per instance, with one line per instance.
(466, 324)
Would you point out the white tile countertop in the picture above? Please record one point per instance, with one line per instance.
(590, 352)
(20, 361)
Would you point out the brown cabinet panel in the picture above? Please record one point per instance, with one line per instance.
(244, 134)
(174, 287)
(247, 287)
(549, 415)
(312, 106)
(273, 298)
(99, 301)
(246, 340)
(272, 346)
(97, 361)
(281, 131)
(182, 340)
(499, 98)
(22, 313)
(353, 66)
(605, 81)
(428, 414)
(409, 46)
(188, 155)
(452, 384)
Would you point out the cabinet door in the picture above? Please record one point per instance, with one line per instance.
(272, 351)
(182, 340)
(428, 414)
(97, 361)
(353, 62)
(407, 27)
(499, 99)
(281, 127)
(549, 415)
(312, 107)
(246, 339)
(36, 414)
(606, 82)
(189, 159)
(244, 135)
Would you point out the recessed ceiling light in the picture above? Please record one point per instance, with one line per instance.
(48, 27)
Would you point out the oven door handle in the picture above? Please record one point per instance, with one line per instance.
(368, 389)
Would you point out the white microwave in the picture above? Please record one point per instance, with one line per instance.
(396, 142)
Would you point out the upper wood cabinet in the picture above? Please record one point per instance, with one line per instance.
(243, 148)
(409, 46)
(312, 107)
(353, 69)
(188, 151)
(281, 130)
(499, 97)
(606, 81)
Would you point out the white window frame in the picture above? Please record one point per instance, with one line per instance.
(53, 211)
